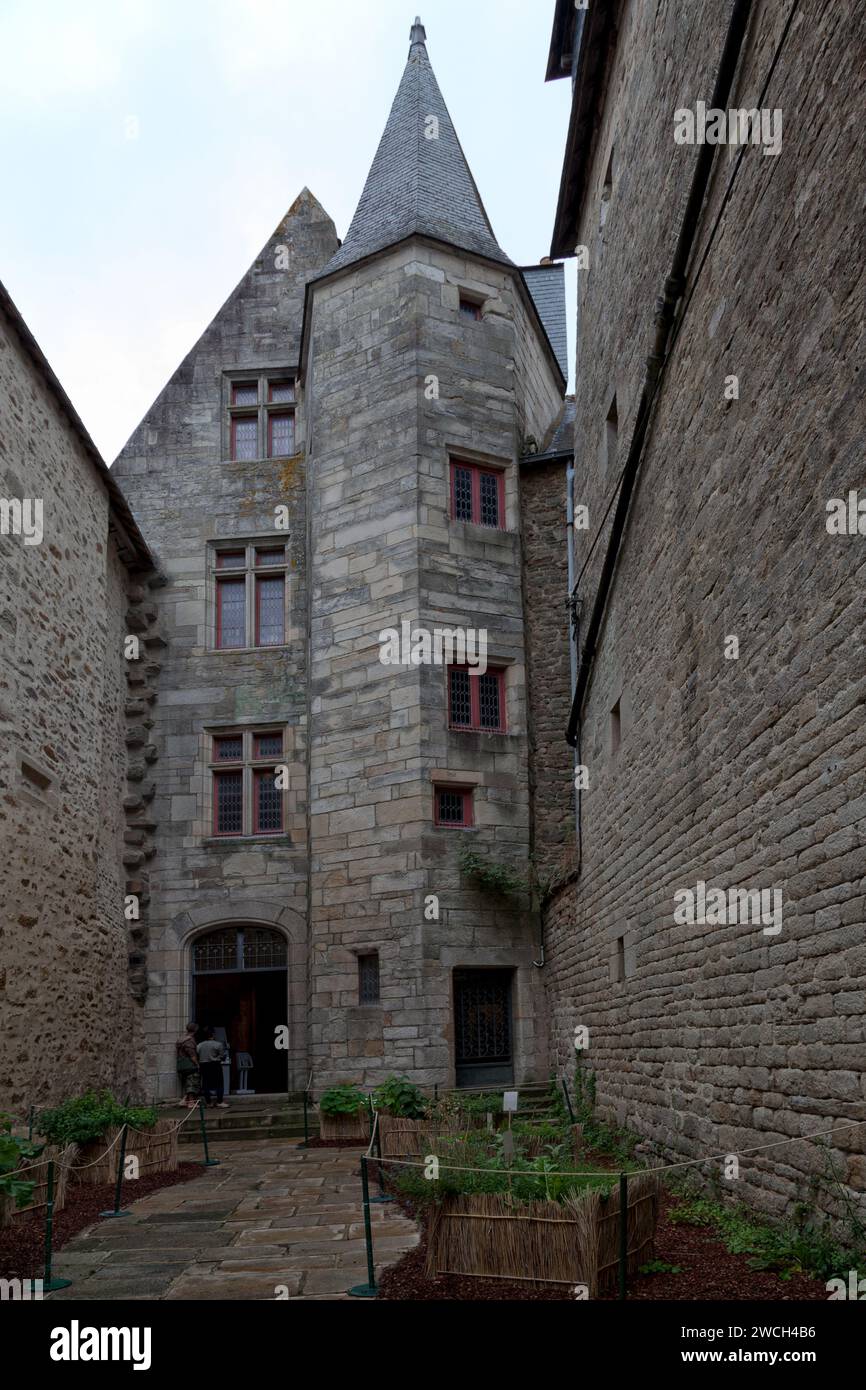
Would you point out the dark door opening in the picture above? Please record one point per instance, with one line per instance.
(482, 1027)
(239, 986)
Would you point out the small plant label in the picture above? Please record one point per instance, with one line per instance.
(509, 1103)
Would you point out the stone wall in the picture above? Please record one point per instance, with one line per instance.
(747, 772)
(401, 381)
(69, 1022)
(188, 496)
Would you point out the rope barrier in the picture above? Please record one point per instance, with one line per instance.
(612, 1172)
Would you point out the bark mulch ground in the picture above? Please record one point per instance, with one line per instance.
(318, 1143)
(22, 1245)
(708, 1271)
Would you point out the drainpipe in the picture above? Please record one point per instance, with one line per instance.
(664, 319)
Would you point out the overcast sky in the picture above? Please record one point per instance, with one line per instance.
(150, 147)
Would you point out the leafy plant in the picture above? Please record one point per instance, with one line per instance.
(614, 1140)
(85, 1118)
(342, 1100)
(659, 1267)
(803, 1246)
(496, 878)
(12, 1151)
(398, 1096)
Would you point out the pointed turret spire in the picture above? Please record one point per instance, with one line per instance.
(418, 37)
(420, 182)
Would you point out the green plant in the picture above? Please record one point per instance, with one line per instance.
(496, 878)
(12, 1151)
(659, 1267)
(806, 1245)
(342, 1100)
(398, 1096)
(614, 1140)
(85, 1118)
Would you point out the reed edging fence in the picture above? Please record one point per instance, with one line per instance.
(55, 1194)
(598, 1212)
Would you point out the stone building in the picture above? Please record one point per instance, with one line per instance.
(718, 708)
(338, 459)
(73, 567)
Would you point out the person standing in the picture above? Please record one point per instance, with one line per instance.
(211, 1055)
(187, 1066)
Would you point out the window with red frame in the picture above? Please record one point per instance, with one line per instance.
(281, 435)
(261, 418)
(247, 799)
(477, 494)
(245, 438)
(471, 309)
(476, 702)
(452, 806)
(251, 597)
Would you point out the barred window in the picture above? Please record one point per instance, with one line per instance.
(453, 806)
(368, 978)
(248, 799)
(477, 494)
(250, 608)
(476, 702)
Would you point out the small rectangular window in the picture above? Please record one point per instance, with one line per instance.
(229, 749)
(281, 435)
(245, 438)
(230, 613)
(281, 392)
(270, 555)
(368, 978)
(470, 309)
(453, 806)
(268, 803)
(477, 494)
(616, 727)
(270, 611)
(245, 393)
(228, 803)
(268, 746)
(475, 701)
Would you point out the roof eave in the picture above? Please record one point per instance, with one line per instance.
(133, 548)
(427, 240)
(561, 39)
(589, 78)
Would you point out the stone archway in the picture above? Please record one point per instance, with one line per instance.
(239, 987)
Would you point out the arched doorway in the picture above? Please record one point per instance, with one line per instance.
(240, 989)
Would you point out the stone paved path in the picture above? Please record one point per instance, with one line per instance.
(270, 1215)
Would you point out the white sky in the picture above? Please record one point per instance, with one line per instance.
(150, 147)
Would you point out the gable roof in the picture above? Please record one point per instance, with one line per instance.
(419, 182)
(546, 284)
(132, 547)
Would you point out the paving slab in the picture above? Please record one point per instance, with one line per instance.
(271, 1216)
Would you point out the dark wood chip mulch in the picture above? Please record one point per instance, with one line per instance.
(22, 1245)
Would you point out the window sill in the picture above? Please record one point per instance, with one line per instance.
(248, 651)
(231, 841)
(487, 535)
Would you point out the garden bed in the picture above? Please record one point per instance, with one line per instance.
(706, 1271)
(22, 1245)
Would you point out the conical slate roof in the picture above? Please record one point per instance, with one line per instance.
(420, 182)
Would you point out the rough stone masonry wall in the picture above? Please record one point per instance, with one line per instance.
(187, 494)
(69, 1022)
(383, 549)
(748, 772)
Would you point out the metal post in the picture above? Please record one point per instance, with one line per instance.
(436, 1090)
(382, 1197)
(368, 1290)
(306, 1143)
(207, 1161)
(30, 1122)
(49, 1284)
(623, 1233)
(567, 1099)
(121, 1163)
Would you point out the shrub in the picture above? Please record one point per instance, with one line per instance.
(342, 1100)
(12, 1151)
(397, 1096)
(87, 1117)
